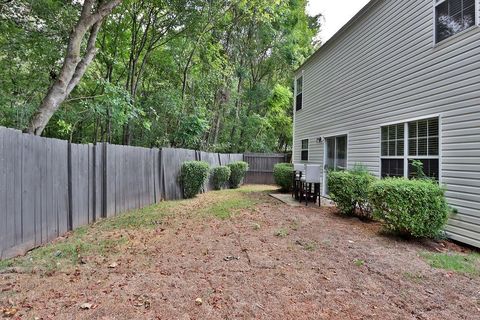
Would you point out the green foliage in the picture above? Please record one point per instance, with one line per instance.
(349, 190)
(220, 177)
(193, 176)
(418, 172)
(210, 75)
(464, 263)
(238, 171)
(282, 173)
(410, 207)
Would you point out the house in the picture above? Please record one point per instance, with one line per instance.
(400, 81)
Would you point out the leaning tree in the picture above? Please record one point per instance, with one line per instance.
(75, 62)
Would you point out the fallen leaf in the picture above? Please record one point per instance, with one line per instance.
(198, 301)
(9, 312)
(113, 265)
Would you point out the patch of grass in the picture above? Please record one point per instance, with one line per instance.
(462, 263)
(225, 208)
(147, 217)
(359, 262)
(281, 233)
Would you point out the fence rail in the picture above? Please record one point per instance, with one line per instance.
(50, 186)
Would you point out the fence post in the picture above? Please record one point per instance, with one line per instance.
(104, 180)
(69, 170)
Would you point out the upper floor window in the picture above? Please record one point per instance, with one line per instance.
(304, 150)
(453, 16)
(299, 97)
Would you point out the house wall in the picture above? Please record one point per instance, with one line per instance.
(386, 68)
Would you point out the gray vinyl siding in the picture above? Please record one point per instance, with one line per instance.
(384, 67)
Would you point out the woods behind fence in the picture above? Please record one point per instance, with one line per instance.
(49, 186)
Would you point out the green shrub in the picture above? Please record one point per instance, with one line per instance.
(410, 207)
(238, 170)
(193, 176)
(349, 191)
(282, 173)
(220, 177)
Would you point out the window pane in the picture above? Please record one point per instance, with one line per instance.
(392, 148)
(422, 147)
(299, 85)
(384, 148)
(305, 144)
(430, 168)
(299, 101)
(392, 168)
(412, 147)
(392, 132)
(400, 148)
(330, 153)
(412, 130)
(422, 128)
(433, 127)
(400, 131)
(341, 152)
(304, 155)
(433, 146)
(385, 133)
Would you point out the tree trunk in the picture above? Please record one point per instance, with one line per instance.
(74, 66)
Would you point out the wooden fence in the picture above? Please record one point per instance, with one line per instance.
(261, 167)
(49, 186)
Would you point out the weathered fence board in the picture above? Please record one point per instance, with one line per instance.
(261, 167)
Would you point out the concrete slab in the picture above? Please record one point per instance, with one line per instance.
(288, 199)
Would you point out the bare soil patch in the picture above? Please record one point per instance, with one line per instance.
(236, 255)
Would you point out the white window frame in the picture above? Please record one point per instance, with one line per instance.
(297, 93)
(307, 149)
(406, 157)
(434, 11)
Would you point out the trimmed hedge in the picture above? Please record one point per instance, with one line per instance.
(238, 171)
(282, 174)
(349, 191)
(220, 177)
(410, 207)
(193, 176)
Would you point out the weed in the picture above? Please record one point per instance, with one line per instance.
(256, 226)
(359, 262)
(281, 233)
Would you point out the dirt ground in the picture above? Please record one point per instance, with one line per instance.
(268, 261)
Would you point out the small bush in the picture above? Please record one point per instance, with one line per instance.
(282, 173)
(349, 191)
(410, 207)
(193, 176)
(220, 177)
(238, 170)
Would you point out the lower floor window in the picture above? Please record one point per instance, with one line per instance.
(404, 143)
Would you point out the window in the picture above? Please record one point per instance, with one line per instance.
(299, 97)
(398, 150)
(453, 16)
(304, 150)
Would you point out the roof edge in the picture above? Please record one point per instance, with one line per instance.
(342, 30)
